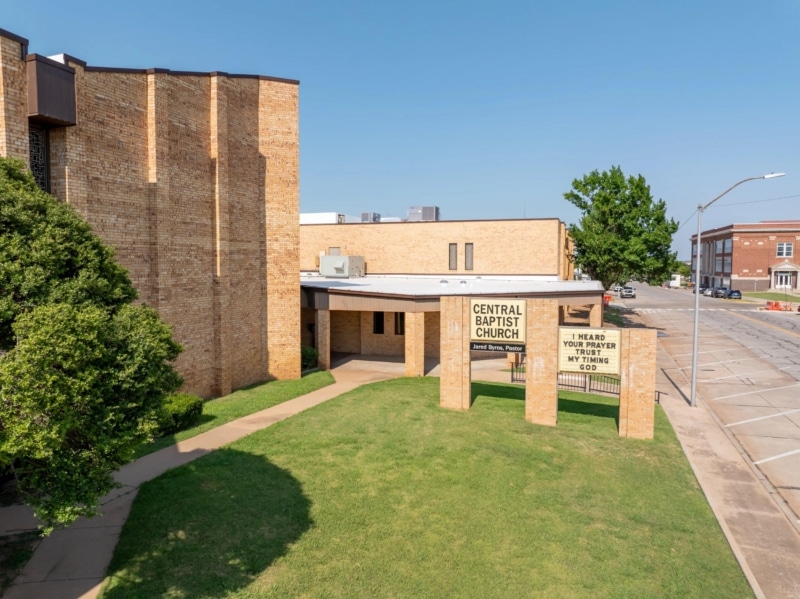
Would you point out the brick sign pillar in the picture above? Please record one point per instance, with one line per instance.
(541, 363)
(637, 383)
(454, 390)
(415, 343)
(322, 331)
(596, 316)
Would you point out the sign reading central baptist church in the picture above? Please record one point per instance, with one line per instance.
(588, 350)
(497, 325)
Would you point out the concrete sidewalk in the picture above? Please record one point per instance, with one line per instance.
(759, 530)
(72, 562)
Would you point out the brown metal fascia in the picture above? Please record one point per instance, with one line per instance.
(577, 296)
(23, 42)
(422, 222)
(50, 62)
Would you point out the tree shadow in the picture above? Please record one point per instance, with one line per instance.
(570, 404)
(588, 408)
(208, 528)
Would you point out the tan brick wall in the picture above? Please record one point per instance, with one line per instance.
(455, 388)
(415, 343)
(307, 317)
(13, 101)
(432, 335)
(387, 344)
(541, 380)
(637, 383)
(323, 335)
(346, 332)
(512, 247)
(193, 179)
(279, 147)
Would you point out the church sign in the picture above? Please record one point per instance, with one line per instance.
(588, 350)
(497, 325)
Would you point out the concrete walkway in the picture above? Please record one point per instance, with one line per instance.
(72, 563)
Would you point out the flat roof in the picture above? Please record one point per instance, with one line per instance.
(439, 285)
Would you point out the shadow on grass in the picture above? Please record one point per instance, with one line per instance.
(567, 400)
(208, 528)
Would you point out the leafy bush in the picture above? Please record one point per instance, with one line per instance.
(308, 357)
(180, 411)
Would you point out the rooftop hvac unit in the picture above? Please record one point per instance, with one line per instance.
(370, 217)
(420, 213)
(342, 267)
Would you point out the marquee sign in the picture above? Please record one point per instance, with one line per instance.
(497, 325)
(588, 350)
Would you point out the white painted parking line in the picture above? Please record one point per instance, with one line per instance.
(730, 376)
(715, 363)
(762, 418)
(757, 391)
(701, 353)
(777, 457)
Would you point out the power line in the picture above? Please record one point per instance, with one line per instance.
(759, 201)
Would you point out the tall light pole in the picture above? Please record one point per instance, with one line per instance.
(700, 209)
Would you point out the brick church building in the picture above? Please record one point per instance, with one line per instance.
(193, 179)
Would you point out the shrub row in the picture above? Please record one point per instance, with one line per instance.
(180, 411)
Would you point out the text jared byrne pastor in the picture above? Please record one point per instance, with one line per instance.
(497, 321)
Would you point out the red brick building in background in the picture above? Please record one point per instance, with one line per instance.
(750, 257)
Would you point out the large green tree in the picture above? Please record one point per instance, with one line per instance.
(83, 371)
(622, 232)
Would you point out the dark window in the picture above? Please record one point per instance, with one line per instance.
(785, 250)
(40, 156)
(453, 256)
(377, 323)
(399, 323)
(468, 256)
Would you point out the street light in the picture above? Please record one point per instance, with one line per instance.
(700, 209)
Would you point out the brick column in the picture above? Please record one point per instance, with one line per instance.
(278, 138)
(455, 388)
(596, 315)
(415, 343)
(13, 98)
(541, 372)
(637, 383)
(322, 333)
(221, 235)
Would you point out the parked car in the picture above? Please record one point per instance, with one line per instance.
(628, 292)
(721, 292)
(709, 292)
(616, 288)
(700, 290)
(734, 294)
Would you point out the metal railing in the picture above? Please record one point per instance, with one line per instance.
(578, 381)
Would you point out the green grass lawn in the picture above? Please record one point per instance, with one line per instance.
(243, 402)
(771, 295)
(613, 316)
(381, 493)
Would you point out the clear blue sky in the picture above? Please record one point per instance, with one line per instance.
(489, 109)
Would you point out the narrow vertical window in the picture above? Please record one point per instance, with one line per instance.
(399, 323)
(468, 256)
(377, 323)
(453, 256)
(39, 148)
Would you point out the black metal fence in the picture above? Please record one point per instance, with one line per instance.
(577, 381)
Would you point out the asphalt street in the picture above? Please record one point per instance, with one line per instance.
(748, 375)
